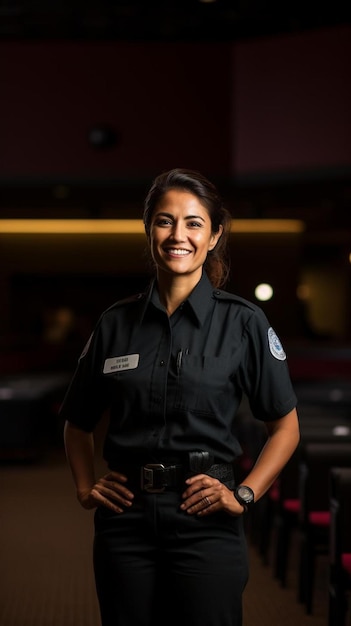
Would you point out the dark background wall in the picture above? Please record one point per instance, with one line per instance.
(268, 105)
(169, 103)
(292, 99)
(267, 118)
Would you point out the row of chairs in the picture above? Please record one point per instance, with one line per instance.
(317, 460)
(340, 546)
(312, 499)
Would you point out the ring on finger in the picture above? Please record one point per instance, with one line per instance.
(208, 501)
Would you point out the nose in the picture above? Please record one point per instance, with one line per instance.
(178, 232)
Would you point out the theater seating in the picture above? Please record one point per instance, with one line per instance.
(315, 463)
(340, 545)
(316, 426)
(287, 515)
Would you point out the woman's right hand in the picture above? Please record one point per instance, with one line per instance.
(108, 491)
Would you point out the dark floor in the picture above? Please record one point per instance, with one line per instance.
(46, 569)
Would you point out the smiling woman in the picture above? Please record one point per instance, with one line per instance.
(171, 366)
(201, 208)
(180, 239)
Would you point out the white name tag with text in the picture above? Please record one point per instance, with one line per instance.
(121, 363)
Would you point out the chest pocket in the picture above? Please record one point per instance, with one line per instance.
(204, 383)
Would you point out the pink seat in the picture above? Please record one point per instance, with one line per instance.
(316, 461)
(319, 518)
(340, 545)
(292, 504)
(346, 562)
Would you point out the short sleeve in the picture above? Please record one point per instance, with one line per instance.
(86, 399)
(264, 372)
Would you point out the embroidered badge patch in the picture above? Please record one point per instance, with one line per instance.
(275, 346)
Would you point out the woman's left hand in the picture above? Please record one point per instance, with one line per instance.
(205, 495)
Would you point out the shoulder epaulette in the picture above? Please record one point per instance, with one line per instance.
(125, 301)
(220, 294)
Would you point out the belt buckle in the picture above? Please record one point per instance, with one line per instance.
(147, 477)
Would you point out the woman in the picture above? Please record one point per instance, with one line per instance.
(171, 366)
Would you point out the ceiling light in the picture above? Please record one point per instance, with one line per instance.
(126, 226)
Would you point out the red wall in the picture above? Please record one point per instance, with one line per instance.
(255, 106)
(292, 102)
(169, 102)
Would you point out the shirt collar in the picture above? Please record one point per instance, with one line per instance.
(146, 298)
(198, 301)
(200, 298)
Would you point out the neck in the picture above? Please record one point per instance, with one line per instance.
(173, 290)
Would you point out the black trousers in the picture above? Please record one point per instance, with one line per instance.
(155, 564)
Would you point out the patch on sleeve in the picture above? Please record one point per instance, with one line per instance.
(275, 346)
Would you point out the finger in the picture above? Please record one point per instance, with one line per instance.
(195, 503)
(101, 500)
(204, 502)
(120, 495)
(114, 485)
(113, 491)
(116, 476)
(202, 481)
(192, 479)
(206, 509)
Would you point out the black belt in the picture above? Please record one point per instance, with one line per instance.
(159, 477)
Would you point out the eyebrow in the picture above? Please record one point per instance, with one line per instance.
(187, 217)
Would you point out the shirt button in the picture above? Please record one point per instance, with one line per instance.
(162, 362)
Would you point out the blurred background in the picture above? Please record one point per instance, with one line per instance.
(98, 98)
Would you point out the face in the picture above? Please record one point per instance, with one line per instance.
(180, 234)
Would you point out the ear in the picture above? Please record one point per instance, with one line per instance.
(215, 238)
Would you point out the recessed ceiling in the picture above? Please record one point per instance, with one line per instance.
(193, 20)
(325, 205)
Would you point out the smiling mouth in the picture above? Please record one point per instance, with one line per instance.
(177, 251)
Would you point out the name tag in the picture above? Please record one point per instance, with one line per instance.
(121, 363)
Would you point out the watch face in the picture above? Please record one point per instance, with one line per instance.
(245, 493)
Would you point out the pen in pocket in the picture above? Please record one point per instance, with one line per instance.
(179, 360)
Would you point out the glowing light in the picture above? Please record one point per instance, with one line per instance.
(129, 226)
(303, 292)
(74, 226)
(264, 292)
(267, 226)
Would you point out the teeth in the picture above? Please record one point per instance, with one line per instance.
(179, 252)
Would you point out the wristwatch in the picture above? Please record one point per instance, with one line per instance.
(245, 496)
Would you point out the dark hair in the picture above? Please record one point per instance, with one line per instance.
(217, 261)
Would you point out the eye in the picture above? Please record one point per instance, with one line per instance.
(162, 221)
(194, 224)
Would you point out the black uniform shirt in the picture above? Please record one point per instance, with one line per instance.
(174, 384)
